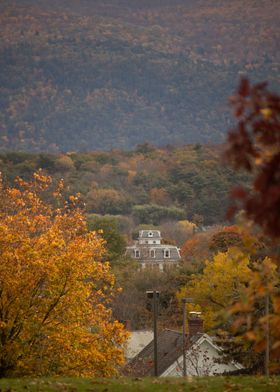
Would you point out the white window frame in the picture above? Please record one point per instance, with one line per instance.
(137, 253)
(166, 253)
(153, 253)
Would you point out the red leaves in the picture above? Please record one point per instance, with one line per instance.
(240, 149)
(254, 144)
(238, 192)
(231, 211)
(244, 88)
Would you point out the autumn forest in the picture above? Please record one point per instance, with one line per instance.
(130, 130)
(122, 73)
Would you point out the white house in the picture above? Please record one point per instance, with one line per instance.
(149, 251)
(203, 355)
(202, 359)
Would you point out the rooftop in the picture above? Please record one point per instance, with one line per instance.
(149, 234)
(169, 350)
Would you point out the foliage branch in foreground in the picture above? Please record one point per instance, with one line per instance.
(55, 294)
(255, 145)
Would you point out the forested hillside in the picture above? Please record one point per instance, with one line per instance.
(147, 186)
(84, 75)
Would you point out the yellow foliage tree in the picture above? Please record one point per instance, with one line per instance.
(188, 225)
(262, 292)
(220, 285)
(55, 295)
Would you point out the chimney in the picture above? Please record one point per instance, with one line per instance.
(195, 322)
(127, 325)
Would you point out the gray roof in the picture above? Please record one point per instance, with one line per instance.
(169, 350)
(145, 252)
(149, 234)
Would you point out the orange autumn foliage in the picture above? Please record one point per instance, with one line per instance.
(55, 294)
(251, 313)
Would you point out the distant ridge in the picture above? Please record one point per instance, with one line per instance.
(82, 75)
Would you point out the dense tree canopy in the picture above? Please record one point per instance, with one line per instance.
(55, 294)
(149, 184)
(83, 75)
(219, 285)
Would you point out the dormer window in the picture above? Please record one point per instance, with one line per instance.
(153, 253)
(166, 253)
(137, 253)
(150, 234)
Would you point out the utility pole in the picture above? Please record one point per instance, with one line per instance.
(185, 301)
(267, 335)
(154, 295)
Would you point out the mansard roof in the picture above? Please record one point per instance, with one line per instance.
(158, 252)
(148, 249)
(149, 234)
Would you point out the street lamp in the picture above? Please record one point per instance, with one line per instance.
(154, 295)
(185, 301)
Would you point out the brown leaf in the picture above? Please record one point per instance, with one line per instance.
(244, 88)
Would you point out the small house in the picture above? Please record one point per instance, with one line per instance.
(203, 356)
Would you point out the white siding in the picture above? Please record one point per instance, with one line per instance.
(136, 342)
(201, 360)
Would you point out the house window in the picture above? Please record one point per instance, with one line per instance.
(137, 253)
(166, 253)
(152, 253)
(150, 234)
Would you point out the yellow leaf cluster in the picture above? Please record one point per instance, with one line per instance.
(219, 285)
(262, 293)
(55, 294)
